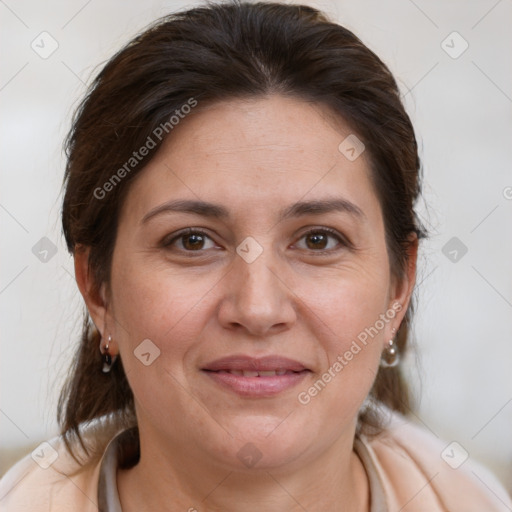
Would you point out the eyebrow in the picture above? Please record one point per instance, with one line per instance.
(216, 211)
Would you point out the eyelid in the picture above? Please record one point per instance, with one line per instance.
(342, 239)
(168, 240)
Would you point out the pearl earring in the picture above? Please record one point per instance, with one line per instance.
(390, 356)
(108, 360)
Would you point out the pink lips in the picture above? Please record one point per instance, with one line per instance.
(256, 377)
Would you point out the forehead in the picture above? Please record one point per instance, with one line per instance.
(254, 153)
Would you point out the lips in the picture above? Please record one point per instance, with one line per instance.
(256, 377)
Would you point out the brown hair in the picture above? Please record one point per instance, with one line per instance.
(211, 53)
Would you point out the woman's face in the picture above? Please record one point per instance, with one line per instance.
(250, 263)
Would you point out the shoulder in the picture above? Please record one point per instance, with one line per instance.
(51, 479)
(420, 472)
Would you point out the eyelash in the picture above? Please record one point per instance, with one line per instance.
(198, 231)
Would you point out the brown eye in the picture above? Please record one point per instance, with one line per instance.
(193, 242)
(189, 241)
(318, 240)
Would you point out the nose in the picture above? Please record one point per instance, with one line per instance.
(256, 298)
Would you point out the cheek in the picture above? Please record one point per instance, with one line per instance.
(167, 309)
(349, 316)
(155, 304)
(344, 305)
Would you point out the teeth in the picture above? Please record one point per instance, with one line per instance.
(269, 373)
(249, 373)
(256, 373)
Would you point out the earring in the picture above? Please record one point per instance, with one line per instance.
(390, 356)
(108, 360)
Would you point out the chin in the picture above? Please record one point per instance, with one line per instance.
(258, 444)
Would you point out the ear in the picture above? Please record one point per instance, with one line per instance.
(402, 288)
(95, 299)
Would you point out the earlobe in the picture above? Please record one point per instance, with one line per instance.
(94, 297)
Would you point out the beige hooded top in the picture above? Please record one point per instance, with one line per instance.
(409, 470)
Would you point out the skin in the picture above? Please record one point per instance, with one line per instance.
(299, 299)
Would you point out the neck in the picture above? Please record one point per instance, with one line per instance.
(176, 479)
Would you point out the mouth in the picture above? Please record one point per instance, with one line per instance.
(256, 377)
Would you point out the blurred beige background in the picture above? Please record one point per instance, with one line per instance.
(452, 60)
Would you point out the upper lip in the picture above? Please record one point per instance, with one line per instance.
(247, 363)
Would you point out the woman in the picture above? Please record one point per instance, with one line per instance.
(239, 202)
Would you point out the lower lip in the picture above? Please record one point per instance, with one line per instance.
(258, 387)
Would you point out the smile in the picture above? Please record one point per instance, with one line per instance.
(256, 377)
